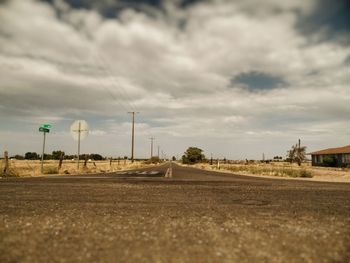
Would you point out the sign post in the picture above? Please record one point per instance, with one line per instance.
(45, 128)
(79, 131)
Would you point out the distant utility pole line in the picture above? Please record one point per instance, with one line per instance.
(152, 139)
(133, 134)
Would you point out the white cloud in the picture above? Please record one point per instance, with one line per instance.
(82, 65)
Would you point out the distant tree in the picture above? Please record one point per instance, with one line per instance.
(17, 157)
(96, 157)
(297, 154)
(31, 156)
(69, 157)
(56, 155)
(277, 158)
(154, 159)
(47, 156)
(193, 155)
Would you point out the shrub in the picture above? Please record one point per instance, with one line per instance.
(153, 160)
(306, 174)
(50, 170)
(10, 173)
(272, 171)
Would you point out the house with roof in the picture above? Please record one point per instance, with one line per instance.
(332, 157)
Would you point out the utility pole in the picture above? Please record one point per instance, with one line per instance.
(299, 157)
(158, 151)
(133, 135)
(79, 134)
(152, 139)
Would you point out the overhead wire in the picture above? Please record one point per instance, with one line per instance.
(102, 80)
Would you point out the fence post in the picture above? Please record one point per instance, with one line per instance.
(86, 160)
(6, 156)
(60, 161)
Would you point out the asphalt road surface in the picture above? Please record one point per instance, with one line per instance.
(194, 216)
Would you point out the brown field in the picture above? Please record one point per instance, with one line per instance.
(33, 167)
(283, 169)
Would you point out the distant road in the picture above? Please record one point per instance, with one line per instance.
(194, 216)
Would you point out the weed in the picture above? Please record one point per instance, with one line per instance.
(50, 170)
(271, 171)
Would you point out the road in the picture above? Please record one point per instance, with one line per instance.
(195, 216)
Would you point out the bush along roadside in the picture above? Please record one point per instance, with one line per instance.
(50, 170)
(275, 171)
(8, 172)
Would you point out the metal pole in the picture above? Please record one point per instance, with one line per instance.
(42, 156)
(79, 131)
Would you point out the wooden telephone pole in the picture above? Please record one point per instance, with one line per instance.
(152, 139)
(133, 135)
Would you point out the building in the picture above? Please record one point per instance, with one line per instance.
(333, 157)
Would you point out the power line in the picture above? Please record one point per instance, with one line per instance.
(115, 81)
(102, 65)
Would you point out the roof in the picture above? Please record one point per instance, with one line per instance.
(345, 149)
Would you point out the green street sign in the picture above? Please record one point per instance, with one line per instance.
(42, 129)
(46, 126)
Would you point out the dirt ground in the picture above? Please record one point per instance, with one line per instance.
(195, 216)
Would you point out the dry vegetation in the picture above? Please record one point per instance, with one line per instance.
(282, 169)
(32, 168)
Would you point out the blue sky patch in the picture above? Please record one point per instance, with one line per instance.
(257, 81)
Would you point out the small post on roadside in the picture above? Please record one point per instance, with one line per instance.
(79, 130)
(86, 160)
(6, 158)
(43, 153)
(60, 161)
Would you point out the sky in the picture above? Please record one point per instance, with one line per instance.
(234, 78)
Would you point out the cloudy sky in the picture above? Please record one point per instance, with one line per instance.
(235, 78)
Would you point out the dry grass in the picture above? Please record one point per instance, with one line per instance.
(283, 169)
(33, 168)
